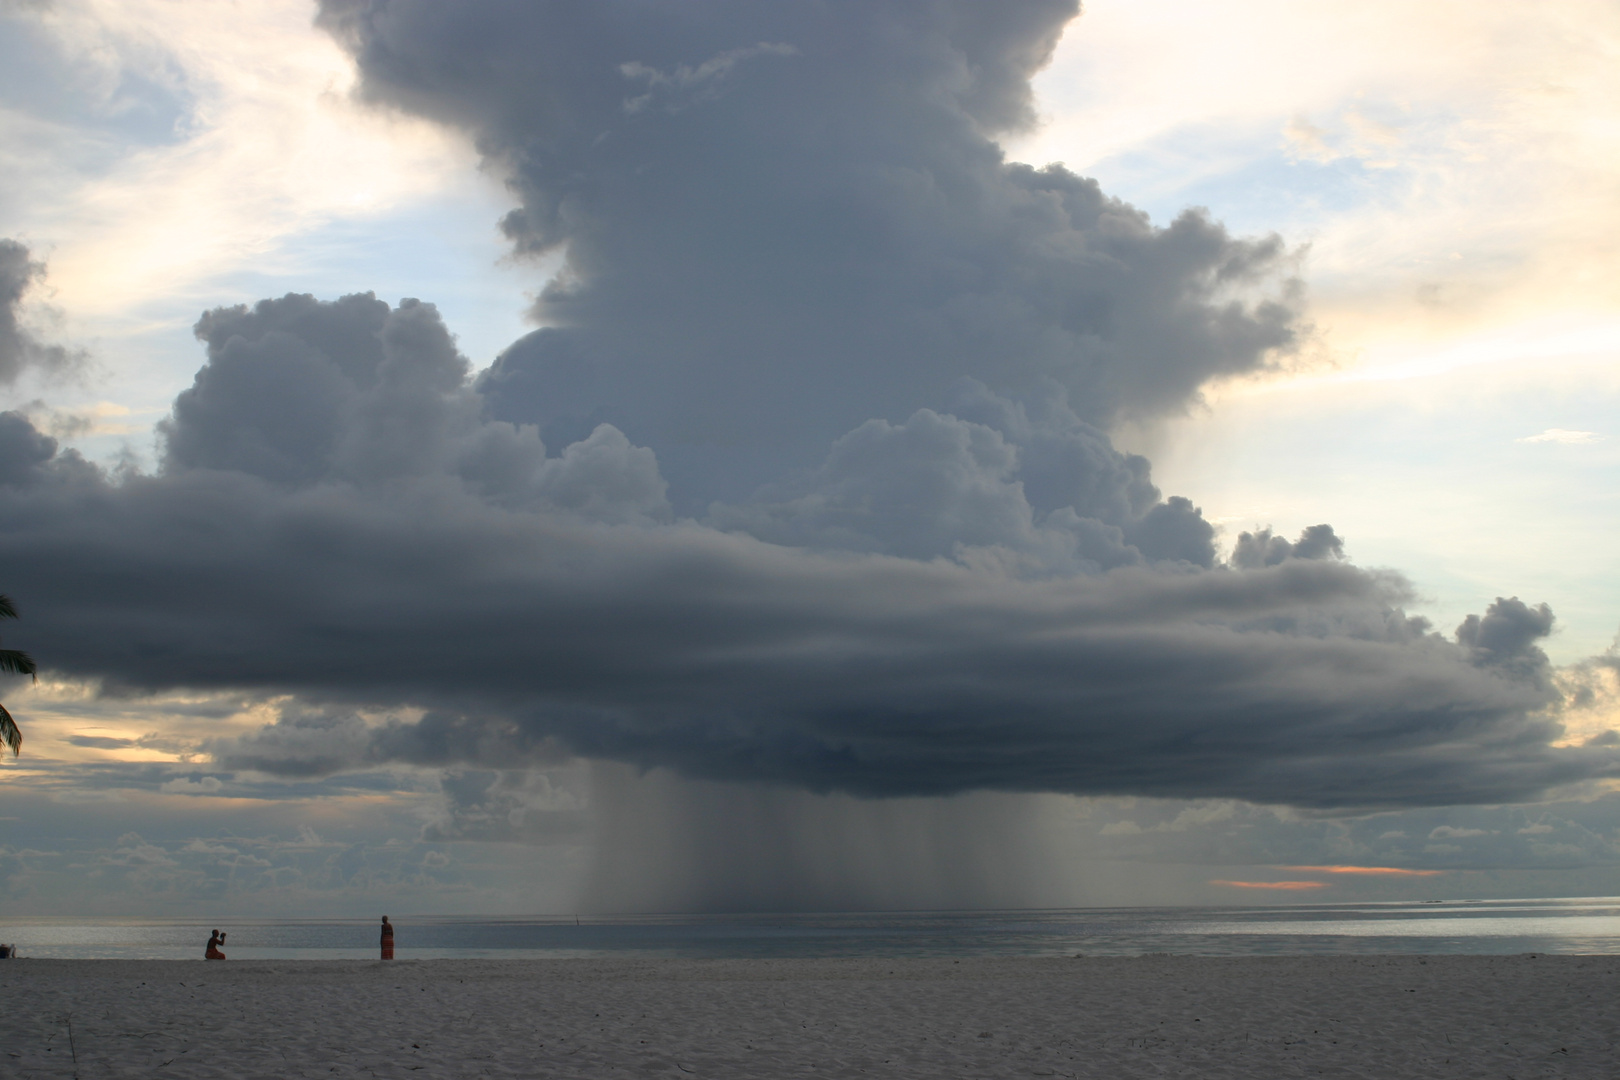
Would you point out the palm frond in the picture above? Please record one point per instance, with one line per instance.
(8, 610)
(18, 662)
(10, 734)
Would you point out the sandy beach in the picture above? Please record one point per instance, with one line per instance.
(1154, 1016)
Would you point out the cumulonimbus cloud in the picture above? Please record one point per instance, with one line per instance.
(806, 480)
(825, 234)
(337, 518)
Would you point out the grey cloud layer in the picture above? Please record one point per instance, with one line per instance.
(336, 519)
(807, 482)
(784, 220)
(974, 485)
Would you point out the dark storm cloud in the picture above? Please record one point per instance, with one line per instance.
(784, 220)
(298, 392)
(21, 350)
(897, 553)
(1506, 635)
(1034, 487)
(1257, 549)
(337, 521)
(788, 229)
(23, 450)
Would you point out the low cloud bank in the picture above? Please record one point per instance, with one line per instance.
(804, 481)
(338, 519)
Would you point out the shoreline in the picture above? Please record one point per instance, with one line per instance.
(1384, 1015)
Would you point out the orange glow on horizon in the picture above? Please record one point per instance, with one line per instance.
(1272, 884)
(1392, 870)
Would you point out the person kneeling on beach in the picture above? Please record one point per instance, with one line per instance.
(214, 943)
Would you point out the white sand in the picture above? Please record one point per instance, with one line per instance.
(1254, 1017)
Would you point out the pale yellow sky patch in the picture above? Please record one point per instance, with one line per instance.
(274, 149)
(166, 727)
(1592, 701)
(1491, 126)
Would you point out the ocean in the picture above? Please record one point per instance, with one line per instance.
(1585, 925)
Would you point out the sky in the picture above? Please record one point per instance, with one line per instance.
(530, 458)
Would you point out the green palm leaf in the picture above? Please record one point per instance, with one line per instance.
(9, 733)
(18, 662)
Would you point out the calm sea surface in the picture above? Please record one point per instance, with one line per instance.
(1589, 925)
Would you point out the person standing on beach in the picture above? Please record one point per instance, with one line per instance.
(212, 952)
(387, 939)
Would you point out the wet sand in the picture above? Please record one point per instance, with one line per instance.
(1155, 1016)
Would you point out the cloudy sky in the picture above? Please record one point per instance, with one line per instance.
(525, 457)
